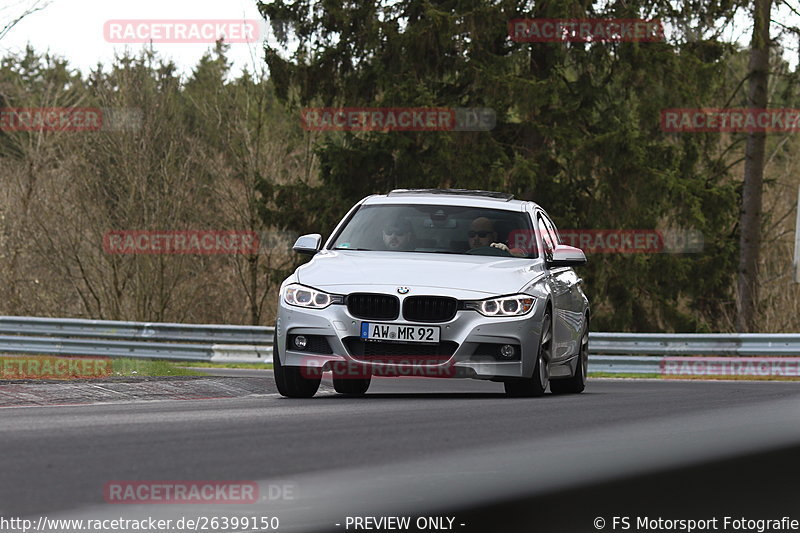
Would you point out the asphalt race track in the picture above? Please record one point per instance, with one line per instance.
(456, 448)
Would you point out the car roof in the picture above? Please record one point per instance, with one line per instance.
(460, 197)
(505, 197)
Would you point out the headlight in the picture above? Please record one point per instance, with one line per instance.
(301, 296)
(515, 305)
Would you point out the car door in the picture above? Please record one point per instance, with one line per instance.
(571, 311)
(557, 280)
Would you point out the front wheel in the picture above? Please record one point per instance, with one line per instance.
(536, 384)
(351, 386)
(290, 379)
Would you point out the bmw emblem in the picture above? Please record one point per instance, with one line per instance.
(402, 290)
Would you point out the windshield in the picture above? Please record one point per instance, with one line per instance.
(437, 229)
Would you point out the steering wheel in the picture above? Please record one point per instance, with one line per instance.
(489, 250)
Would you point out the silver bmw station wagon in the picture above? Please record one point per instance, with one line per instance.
(435, 283)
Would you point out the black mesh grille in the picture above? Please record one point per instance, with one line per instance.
(399, 352)
(314, 344)
(493, 350)
(429, 308)
(373, 306)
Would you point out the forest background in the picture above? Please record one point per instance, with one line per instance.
(578, 130)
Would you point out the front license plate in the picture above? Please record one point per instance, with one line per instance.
(399, 332)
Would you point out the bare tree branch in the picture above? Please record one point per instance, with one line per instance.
(38, 5)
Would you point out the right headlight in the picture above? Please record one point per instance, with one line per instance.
(302, 296)
(514, 305)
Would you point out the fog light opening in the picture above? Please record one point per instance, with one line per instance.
(300, 342)
(507, 351)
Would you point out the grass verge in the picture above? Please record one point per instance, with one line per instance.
(260, 366)
(615, 375)
(129, 367)
(147, 367)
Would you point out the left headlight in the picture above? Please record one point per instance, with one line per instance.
(514, 305)
(302, 296)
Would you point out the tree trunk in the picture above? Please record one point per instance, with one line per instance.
(750, 218)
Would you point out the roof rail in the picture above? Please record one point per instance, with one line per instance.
(505, 197)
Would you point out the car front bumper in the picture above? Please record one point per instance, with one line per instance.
(470, 331)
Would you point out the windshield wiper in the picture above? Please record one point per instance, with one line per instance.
(437, 252)
(355, 249)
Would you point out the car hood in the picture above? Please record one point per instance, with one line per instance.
(345, 271)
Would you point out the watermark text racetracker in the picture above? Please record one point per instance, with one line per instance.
(181, 242)
(585, 30)
(175, 31)
(202, 492)
(397, 119)
(194, 492)
(71, 119)
(764, 367)
(15, 367)
(628, 241)
(730, 120)
(713, 523)
(394, 366)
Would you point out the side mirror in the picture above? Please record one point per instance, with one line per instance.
(308, 244)
(566, 256)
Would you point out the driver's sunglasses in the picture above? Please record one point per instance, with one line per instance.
(481, 234)
(392, 232)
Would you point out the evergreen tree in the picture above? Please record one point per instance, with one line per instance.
(578, 131)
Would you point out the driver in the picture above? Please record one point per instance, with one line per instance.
(397, 235)
(482, 233)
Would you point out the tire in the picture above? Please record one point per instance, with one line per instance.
(577, 382)
(289, 379)
(351, 386)
(535, 385)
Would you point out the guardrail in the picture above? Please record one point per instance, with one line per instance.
(646, 353)
(628, 353)
(147, 331)
(151, 340)
(719, 344)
